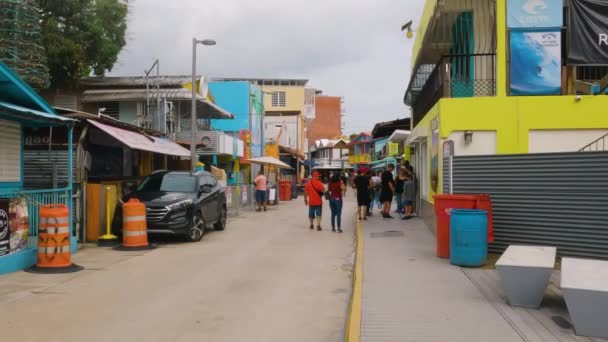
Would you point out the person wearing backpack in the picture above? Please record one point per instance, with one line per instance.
(313, 199)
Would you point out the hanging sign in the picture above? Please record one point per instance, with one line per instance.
(588, 32)
(5, 234)
(393, 149)
(535, 13)
(535, 67)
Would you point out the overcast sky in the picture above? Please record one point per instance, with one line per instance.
(346, 48)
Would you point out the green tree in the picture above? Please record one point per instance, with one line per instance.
(82, 37)
(21, 41)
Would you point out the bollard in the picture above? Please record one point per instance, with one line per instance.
(54, 254)
(108, 239)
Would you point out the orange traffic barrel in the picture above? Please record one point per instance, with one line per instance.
(134, 229)
(54, 254)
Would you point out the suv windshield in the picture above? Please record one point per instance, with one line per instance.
(168, 182)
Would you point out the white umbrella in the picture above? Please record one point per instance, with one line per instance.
(271, 161)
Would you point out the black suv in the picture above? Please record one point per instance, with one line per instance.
(180, 203)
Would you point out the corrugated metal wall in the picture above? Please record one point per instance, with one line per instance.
(38, 168)
(558, 199)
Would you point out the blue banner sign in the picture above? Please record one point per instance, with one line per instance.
(535, 67)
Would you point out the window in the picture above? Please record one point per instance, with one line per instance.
(10, 151)
(111, 109)
(278, 99)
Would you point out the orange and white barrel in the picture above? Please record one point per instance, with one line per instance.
(134, 229)
(54, 236)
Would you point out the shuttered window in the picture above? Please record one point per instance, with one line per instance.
(10, 151)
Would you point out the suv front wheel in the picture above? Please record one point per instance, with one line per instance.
(197, 229)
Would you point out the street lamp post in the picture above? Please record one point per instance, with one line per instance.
(193, 124)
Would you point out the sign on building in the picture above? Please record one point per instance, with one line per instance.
(535, 13)
(535, 67)
(588, 33)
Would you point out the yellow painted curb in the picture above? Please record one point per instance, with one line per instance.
(353, 322)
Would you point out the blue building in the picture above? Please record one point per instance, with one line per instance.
(21, 107)
(244, 100)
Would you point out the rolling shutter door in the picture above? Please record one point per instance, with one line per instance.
(10, 151)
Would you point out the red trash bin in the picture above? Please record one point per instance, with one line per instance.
(285, 190)
(443, 205)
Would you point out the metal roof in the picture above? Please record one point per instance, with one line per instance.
(18, 113)
(136, 81)
(14, 90)
(270, 81)
(176, 94)
(142, 142)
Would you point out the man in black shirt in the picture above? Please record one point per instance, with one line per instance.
(387, 191)
(362, 184)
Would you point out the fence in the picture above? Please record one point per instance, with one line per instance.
(37, 198)
(241, 198)
(556, 199)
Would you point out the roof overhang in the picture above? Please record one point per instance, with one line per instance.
(203, 106)
(399, 136)
(35, 117)
(142, 142)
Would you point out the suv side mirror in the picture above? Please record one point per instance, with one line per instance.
(205, 189)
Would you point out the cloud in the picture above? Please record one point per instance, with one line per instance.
(346, 48)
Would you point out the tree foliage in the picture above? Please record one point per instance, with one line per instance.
(21, 41)
(82, 37)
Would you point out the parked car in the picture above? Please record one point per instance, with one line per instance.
(180, 203)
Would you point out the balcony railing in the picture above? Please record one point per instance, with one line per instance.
(331, 163)
(454, 76)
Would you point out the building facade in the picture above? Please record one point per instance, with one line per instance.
(491, 78)
(327, 122)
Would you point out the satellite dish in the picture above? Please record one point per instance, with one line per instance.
(203, 88)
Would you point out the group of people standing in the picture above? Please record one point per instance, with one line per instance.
(379, 188)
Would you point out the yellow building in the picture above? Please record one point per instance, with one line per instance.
(464, 89)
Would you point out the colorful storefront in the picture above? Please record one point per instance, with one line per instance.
(361, 149)
(472, 99)
(20, 108)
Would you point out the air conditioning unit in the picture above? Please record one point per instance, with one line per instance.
(208, 143)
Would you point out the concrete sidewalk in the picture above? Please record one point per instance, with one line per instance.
(411, 295)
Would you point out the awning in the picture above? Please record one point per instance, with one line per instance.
(138, 141)
(19, 113)
(271, 161)
(399, 136)
(203, 106)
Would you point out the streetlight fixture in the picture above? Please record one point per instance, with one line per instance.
(193, 128)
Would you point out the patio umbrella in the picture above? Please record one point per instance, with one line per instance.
(270, 161)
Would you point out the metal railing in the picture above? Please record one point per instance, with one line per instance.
(456, 76)
(599, 144)
(342, 163)
(36, 198)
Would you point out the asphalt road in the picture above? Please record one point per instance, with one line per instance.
(266, 278)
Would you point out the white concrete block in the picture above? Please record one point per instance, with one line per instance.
(585, 287)
(524, 273)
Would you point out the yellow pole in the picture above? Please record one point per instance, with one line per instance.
(108, 237)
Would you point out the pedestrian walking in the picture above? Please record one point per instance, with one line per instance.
(313, 198)
(363, 187)
(337, 189)
(387, 190)
(261, 185)
(409, 193)
(399, 181)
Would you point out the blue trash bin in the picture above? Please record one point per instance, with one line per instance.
(468, 237)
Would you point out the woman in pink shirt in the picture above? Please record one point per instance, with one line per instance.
(261, 183)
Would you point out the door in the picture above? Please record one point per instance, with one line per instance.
(212, 200)
(462, 60)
